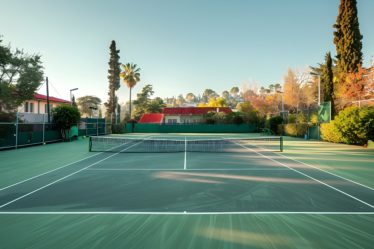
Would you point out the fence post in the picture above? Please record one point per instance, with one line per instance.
(43, 129)
(281, 144)
(97, 126)
(16, 130)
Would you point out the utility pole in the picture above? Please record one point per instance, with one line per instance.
(48, 108)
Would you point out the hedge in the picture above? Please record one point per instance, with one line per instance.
(353, 125)
(296, 130)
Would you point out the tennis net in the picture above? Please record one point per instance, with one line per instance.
(138, 145)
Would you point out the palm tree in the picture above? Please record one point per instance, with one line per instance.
(130, 75)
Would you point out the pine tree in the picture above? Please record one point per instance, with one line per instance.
(327, 81)
(114, 82)
(347, 37)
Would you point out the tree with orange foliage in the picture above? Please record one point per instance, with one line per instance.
(353, 87)
(291, 90)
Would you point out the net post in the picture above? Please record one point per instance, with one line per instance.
(281, 144)
(90, 145)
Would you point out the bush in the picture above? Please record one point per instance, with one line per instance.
(353, 125)
(296, 130)
(313, 118)
(119, 128)
(65, 116)
(273, 123)
(330, 133)
(356, 125)
(7, 117)
(291, 118)
(235, 118)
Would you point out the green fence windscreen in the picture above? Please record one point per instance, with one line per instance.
(191, 128)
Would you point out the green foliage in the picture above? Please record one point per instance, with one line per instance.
(313, 118)
(273, 124)
(329, 132)
(144, 103)
(235, 118)
(327, 81)
(65, 116)
(20, 76)
(249, 113)
(356, 124)
(347, 37)
(119, 128)
(86, 103)
(130, 75)
(301, 118)
(291, 118)
(7, 117)
(296, 130)
(114, 82)
(297, 118)
(353, 125)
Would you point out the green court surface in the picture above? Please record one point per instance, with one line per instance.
(312, 195)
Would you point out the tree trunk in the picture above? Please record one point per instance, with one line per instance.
(130, 103)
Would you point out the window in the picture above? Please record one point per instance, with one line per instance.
(45, 108)
(31, 109)
(26, 106)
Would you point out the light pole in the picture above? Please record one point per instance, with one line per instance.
(319, 98)
(71, 96)
(282, 93)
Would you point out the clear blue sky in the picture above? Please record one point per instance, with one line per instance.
(181, 46)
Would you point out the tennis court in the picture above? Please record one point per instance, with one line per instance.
(193, 178)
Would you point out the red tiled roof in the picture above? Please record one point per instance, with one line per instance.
(194, 110)
(155, 118)
(52, 99)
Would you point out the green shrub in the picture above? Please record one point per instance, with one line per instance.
(356, 125)
(291, 118)
(301, 118)
(65, 116)
(118, 128)
(353, 125)
(329, 132)
(235, 118)
(273, 123)
(296, 130)
(313, 118)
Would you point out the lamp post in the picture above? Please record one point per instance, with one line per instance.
(282, 93)
(319, 98)
(71, 96)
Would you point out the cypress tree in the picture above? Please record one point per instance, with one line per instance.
(347, 37)
(327, 81)
(114, 82)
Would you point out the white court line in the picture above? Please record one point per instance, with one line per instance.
(28, 179)
(185, 153)
(185, 213)
(165, 169)
(314, 167)
(63, 166)
(327, 185)
(62, 178)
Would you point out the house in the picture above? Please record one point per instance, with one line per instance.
(35, 110)
(38, 104)
(189, 115)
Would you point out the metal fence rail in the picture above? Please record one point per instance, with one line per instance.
(21, 133)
